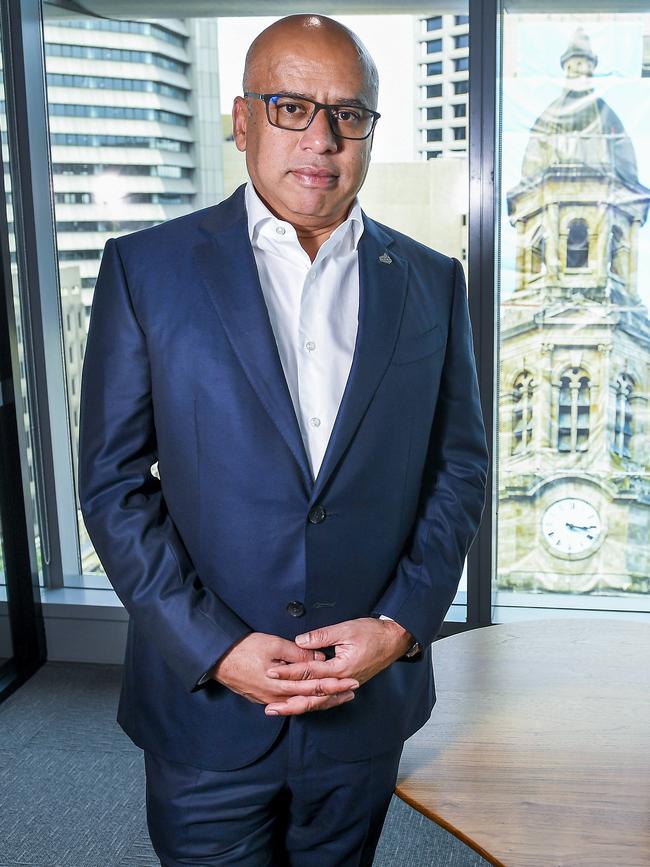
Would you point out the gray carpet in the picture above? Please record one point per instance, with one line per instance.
(72, 784)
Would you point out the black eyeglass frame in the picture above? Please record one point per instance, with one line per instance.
(266, 98)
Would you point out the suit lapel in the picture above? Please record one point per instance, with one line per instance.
(227, 265)
(382, 292)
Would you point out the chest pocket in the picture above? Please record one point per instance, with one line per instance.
(413, 347)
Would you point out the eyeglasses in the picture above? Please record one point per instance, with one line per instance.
(297, 112)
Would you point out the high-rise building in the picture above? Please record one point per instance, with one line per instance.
(135, 128)
(442, 79)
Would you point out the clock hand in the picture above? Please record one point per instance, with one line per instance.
(578, 527)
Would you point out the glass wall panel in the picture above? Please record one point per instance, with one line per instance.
(574, 329)
(136, 140)
(27, 428)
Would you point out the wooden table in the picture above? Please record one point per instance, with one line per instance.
(538, 749)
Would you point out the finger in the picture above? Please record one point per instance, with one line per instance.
(306, 704)
(321, 687)
(334, 667)
(324, 637)
(288, 651)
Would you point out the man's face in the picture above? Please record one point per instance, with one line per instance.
(308, 177)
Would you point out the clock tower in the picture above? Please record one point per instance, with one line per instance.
(574, 437)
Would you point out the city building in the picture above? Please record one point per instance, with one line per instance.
(135, 128)
(442, 83)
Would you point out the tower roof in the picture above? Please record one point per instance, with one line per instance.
(579, 129)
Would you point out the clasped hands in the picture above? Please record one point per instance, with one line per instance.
(296, 677)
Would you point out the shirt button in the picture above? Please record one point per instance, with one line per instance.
(317, 514)
(280, 230)
(296, 609)
(314, 422)
(310, 345)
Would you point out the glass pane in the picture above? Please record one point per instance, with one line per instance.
(25, 432)
(141, 132)
(573, 480)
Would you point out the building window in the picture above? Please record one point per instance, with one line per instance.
(573, 411)
(522, 413)
(461, 41)
(461, 19)
(434, 113)
(432, 155)
(461, 64)
(460, 133)
(434, 135)
(577, 247)
(434, 46)
(434, 23)
(623, 416)
(538, 253)
(434, 68)
(460, 110)
(433, 90)
(461, 87)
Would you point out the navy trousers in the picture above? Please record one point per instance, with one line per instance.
(293, 807)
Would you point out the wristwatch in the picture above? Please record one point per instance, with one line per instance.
(413, 650)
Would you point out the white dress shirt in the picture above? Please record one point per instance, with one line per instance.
(313, 308)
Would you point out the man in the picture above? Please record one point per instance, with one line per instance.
(304, 378)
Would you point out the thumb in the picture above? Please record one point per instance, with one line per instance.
(323, 637)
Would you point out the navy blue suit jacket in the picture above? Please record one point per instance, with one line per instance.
(181, 366)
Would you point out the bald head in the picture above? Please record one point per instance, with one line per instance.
(316, 30)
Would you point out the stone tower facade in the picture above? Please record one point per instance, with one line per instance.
(574, 454)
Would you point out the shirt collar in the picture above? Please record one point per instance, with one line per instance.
(259, 217)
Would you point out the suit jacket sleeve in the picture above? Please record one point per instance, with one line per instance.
(121, 501)
(452, 493)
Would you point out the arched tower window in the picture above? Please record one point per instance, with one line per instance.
(522, 413)
(573, 411)
(577, 248)
(538, 253)
(623, 416)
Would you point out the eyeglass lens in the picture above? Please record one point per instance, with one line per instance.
(294, 113)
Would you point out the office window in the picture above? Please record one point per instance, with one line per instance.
(573, 507)
(461, 64)
(459, 133)
(461, 41)
(434, 46)
(434, 23)
(434, 113)
(461, 87)
(434, 135)
(461, 19)
(117, 169)
(460, 109)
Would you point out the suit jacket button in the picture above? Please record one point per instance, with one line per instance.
(317, 514)
(296, 609)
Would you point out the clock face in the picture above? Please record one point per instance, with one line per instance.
(571, 526)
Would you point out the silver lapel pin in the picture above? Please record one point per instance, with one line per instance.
(385, 258)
